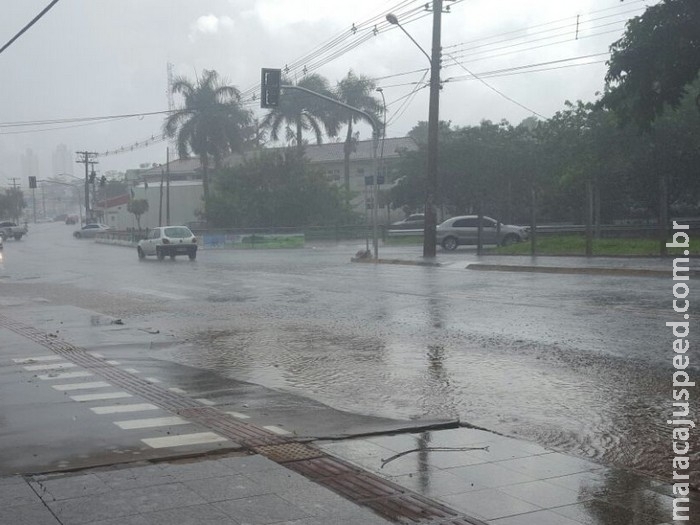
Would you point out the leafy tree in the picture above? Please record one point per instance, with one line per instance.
(212, 123)
(275, 188)
(298, 112)
(138, 207)
(12, 203)
(358, 93)
(655, 61)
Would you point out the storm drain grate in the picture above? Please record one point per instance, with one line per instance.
(387, 499)
(287, 452)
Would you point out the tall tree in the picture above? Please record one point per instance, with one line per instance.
(655, 61)
(298, 112)
(358, 93)
(212, 122)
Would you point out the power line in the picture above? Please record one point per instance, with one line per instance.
(496, 90)
(30, 24)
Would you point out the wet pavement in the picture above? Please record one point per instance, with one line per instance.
(571, 363)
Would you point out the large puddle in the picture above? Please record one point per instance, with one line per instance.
(605, 408)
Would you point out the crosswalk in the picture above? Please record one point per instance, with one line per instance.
(94, 391)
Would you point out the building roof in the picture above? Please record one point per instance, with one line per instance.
(176, 166)
(334, 151)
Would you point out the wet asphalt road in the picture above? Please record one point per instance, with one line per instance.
(579, 363)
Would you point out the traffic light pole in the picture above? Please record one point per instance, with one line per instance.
(85, 158)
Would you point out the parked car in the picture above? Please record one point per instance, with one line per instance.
(170, 241)
(71, 219)
(415, 221)
(90, 230)
(12, 229)
(465, 230)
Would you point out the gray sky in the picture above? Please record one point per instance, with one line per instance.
(94, 58)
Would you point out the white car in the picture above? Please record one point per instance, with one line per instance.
(465, 229)
(89, 231)
(170, 241)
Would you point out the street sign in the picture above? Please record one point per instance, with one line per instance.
(32, 182)
(270, 81)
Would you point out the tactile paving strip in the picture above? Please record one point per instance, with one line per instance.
(387, 499)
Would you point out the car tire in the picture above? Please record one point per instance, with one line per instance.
(18, 236)
(160, 254)
(77, 235)
(510, 239)
(172, 256)
(450, 243)
(192, 255)
(140, 252)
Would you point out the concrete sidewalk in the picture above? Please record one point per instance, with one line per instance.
(224, 491)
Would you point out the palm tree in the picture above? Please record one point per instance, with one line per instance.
(212, 122)
(300, 112)
(357, 92)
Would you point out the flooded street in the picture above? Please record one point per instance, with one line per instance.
(578, 363)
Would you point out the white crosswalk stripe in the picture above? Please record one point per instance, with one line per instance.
(53, 366)
(100, 397)
(151, 422)
(200, 438)
(120, 409)
(82, 386)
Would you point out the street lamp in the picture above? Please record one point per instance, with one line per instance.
(429, 233)
(381, 155)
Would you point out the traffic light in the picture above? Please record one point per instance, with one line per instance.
(32, 182)
(270, 82)
(103, 181)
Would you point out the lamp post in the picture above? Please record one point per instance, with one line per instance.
(429, 233)
(381, 155)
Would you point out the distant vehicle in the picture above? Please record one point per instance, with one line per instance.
(415, 221)
(465, 230)
(170, 241)
(90, 230)
(72, 219)
(60, 218)
(12, 229)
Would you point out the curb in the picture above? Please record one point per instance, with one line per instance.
(623, 272)
(394, 261)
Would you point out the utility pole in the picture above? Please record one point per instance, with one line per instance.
(430, 235)
(87, 158)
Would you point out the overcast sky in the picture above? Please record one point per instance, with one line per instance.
(95, 58)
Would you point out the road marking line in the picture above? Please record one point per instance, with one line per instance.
(277, 430)
(153, 380)
(96, 354)
(205, 402)
(28, 360)
(115, 363)
(156, 293)
(54, 366)
(177, 390)
(82, 386)
(150, 422)
(238, 415)
(67, 375)
(99, 397)
(118, 409)
(183, 440)
(132, 371)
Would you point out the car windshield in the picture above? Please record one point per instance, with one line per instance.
(178, 232)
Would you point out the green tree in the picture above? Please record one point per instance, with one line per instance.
(298, 112)
(212, 123)
(12, 203)
(274, 188)
(138, 207)
(655, 61)
(358, 93)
